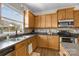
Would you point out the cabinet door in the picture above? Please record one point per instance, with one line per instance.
(48, 21)
(31, 20)
(42, 41)
(61, 14)
(69, 13)
(54, 20)
(53, 42)
(37, 21)
(43, 21)
(76, 18)
(21, 51)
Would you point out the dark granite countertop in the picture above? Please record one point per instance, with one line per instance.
(12, 41)
(5, 43)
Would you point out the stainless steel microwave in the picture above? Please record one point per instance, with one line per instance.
(65, 23)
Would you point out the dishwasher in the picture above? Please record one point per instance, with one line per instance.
(9, 51)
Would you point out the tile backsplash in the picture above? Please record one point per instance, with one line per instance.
(71, 30)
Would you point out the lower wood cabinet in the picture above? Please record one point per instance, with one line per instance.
(20, 49)
(42, 41)
(53, 41)
(48, 41)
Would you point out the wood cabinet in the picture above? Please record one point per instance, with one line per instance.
(20, 49)
(53, 41)
(64, 14)
(48, 41)
(61, 14)
(31, 20)
(76, 18)
(37, 21)
(28, 19)
(69, 13)
(54, 21)
(48, 20)
(42, 41)
(43, 21)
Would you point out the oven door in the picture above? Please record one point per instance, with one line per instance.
(67, 39)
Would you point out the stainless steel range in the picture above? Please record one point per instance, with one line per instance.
(68, 39)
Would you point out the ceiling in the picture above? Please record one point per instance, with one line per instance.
(42, 8)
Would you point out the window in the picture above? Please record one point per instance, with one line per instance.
(11, 20)
(11, 13)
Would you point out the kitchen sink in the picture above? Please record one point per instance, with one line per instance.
(15, 39)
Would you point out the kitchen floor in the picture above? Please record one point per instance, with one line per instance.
(45, 52)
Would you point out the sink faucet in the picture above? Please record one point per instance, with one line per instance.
(8, 36)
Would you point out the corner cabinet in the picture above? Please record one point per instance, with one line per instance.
(76, 18)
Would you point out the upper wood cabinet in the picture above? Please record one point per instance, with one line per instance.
(37, 21)
(31, 20)
(76, 18)
(66, 13)
(48, 20)
(28, 19)
(61, 14)
(43, 21)
(69, 13)
(54, 20)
